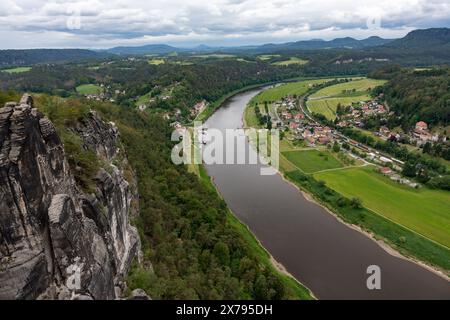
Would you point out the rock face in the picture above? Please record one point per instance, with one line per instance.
(57, 242)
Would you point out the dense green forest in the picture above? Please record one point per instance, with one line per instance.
(191, 248)
(33, 56)
(417, 95)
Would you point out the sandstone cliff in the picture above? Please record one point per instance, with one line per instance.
(56, 241)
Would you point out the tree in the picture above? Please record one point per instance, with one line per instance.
(427, 147)
(336, 147)
(423, 175)
(409, 169)
(356, 203)
(261, 288)
(222, 253)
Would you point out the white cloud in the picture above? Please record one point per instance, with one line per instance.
(105, 23)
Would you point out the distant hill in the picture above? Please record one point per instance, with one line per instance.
(34, 56)
(423, 39)
(349, 43)
(147, 49)
(419, 47)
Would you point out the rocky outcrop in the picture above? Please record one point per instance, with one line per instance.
(57, 242)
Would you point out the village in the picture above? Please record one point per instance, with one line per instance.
(301, 127)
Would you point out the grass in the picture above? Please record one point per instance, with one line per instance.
(326, 100)
(295, 88)
(89, 89)
(156, 62)
(292, 60)
(328, 106)
(250, 117)
(404, 240)
(183, 63)
(143, 99)
(425, 211)
(17, 70)
(361, 85)
(244, 60)
(266, 57)
(310, 161)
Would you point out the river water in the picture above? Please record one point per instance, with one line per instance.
(327, 256)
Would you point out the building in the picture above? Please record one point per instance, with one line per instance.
(293, 125)
(385, 170)
(385, 160)
(384, 131)
(421, 126)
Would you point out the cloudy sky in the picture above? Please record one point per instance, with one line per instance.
(108, 23)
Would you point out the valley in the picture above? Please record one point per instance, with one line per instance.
(93, 185)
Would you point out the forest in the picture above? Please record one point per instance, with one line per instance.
(417, 95)
(191, 248)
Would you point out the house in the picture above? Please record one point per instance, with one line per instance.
(286, 115)
(326, 130)
(198, 108)
(324, 140)
(385, 160)
(299, 116)
(310, 140)
(342, 124)
(421, 126)
(293, 125)
(381, 108)
(384, 131)
(385, 170)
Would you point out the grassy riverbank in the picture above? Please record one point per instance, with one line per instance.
(213, 106)
(295, 288)
(403, 240)
(423, 210)
(400, 217)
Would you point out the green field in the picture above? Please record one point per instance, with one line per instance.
(243, 60)
(328, 107)
(425, 211)
(17, 70)
(292, 60)
(156, 62)
(341, 89)
(89, 89)
(281, 91)
(183, 63)
(143, 99)
(266, 57)
(326, 100)
(310, 161)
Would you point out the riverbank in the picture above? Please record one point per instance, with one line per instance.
(213, 106)
(289, 281)
(385, 245)
(405, 243)
(300, 290)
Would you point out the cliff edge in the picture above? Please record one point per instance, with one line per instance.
(56, 240)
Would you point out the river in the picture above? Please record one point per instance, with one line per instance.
(324, 254)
